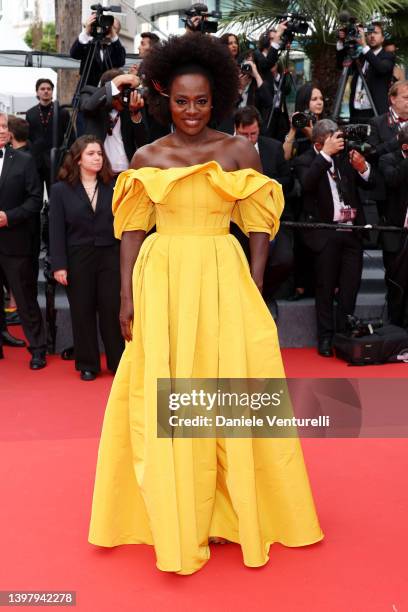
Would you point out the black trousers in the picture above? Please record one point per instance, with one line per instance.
(338, 265)
(396, 277)
(19, 273)
(94, 289)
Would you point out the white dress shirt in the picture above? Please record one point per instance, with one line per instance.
(113, 144)
(338, 203)
(2, 159)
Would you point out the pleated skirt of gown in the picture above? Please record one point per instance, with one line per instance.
(198, 314)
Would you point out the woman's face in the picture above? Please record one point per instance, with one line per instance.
(190, 103)
(316, 103)
(91, 159)
(233, 46)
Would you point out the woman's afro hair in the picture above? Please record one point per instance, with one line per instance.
(208, 55)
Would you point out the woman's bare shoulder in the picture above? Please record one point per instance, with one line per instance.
(149, 155)
(244, 153)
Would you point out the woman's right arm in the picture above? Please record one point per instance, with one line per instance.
(129, 250)
(130, 245)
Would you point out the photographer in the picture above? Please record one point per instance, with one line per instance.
(253, 91)
(394, 167)
(114, 119)
(109, 54)
(309, 103)
(384, 135)
(330, 179)
(386, 127)
(197, 14)
(377, 67)
(269, 46)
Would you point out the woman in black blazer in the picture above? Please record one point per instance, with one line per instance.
(85, 253)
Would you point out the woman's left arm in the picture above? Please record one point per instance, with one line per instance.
(258, 241)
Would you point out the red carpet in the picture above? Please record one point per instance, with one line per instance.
(50, 422)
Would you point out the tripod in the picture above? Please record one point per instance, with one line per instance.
(348, 65)
(95, 46)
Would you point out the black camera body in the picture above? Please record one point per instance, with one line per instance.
(356, 138)
(103, 23)
(301, 120)
(245, 68)
(126, 93)
(205, 26)
(351, 41)
(296, 24)
(362, 327)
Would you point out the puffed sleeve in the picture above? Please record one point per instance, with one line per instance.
(132, 208)
(261, 209)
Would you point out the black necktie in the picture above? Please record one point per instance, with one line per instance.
(1, 153)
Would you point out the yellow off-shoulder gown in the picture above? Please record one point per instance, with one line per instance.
(197, 314)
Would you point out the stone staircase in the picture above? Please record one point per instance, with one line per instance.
(296, 323)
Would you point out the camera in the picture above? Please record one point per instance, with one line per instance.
(355, 137)
(103, 23)
(205, 26)
(246, 68)
(126, 93)
(302, 119)
(362, 327)
(352, 39)
(296, 24)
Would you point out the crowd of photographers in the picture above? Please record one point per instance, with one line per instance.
(327, 173)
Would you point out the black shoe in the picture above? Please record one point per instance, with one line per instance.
(324, 347)
(88, 375)
(68, 354)
(38, 361)
(9, 340)
(1, 353)
(12, 318)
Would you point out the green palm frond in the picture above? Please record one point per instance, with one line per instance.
(322, 15)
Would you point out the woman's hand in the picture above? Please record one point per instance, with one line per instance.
(61, 276)
(126, 318)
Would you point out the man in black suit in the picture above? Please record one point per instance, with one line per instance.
(386, 127)
(41, 123)
(330, 181)
(384, 136)
(280, 259)
(21, 198)
(377, 66)
(109, 54)
(120, 128)
(394, 168)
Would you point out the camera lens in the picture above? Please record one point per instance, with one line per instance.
(300, 120)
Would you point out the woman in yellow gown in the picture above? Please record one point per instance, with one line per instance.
(192, 308)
